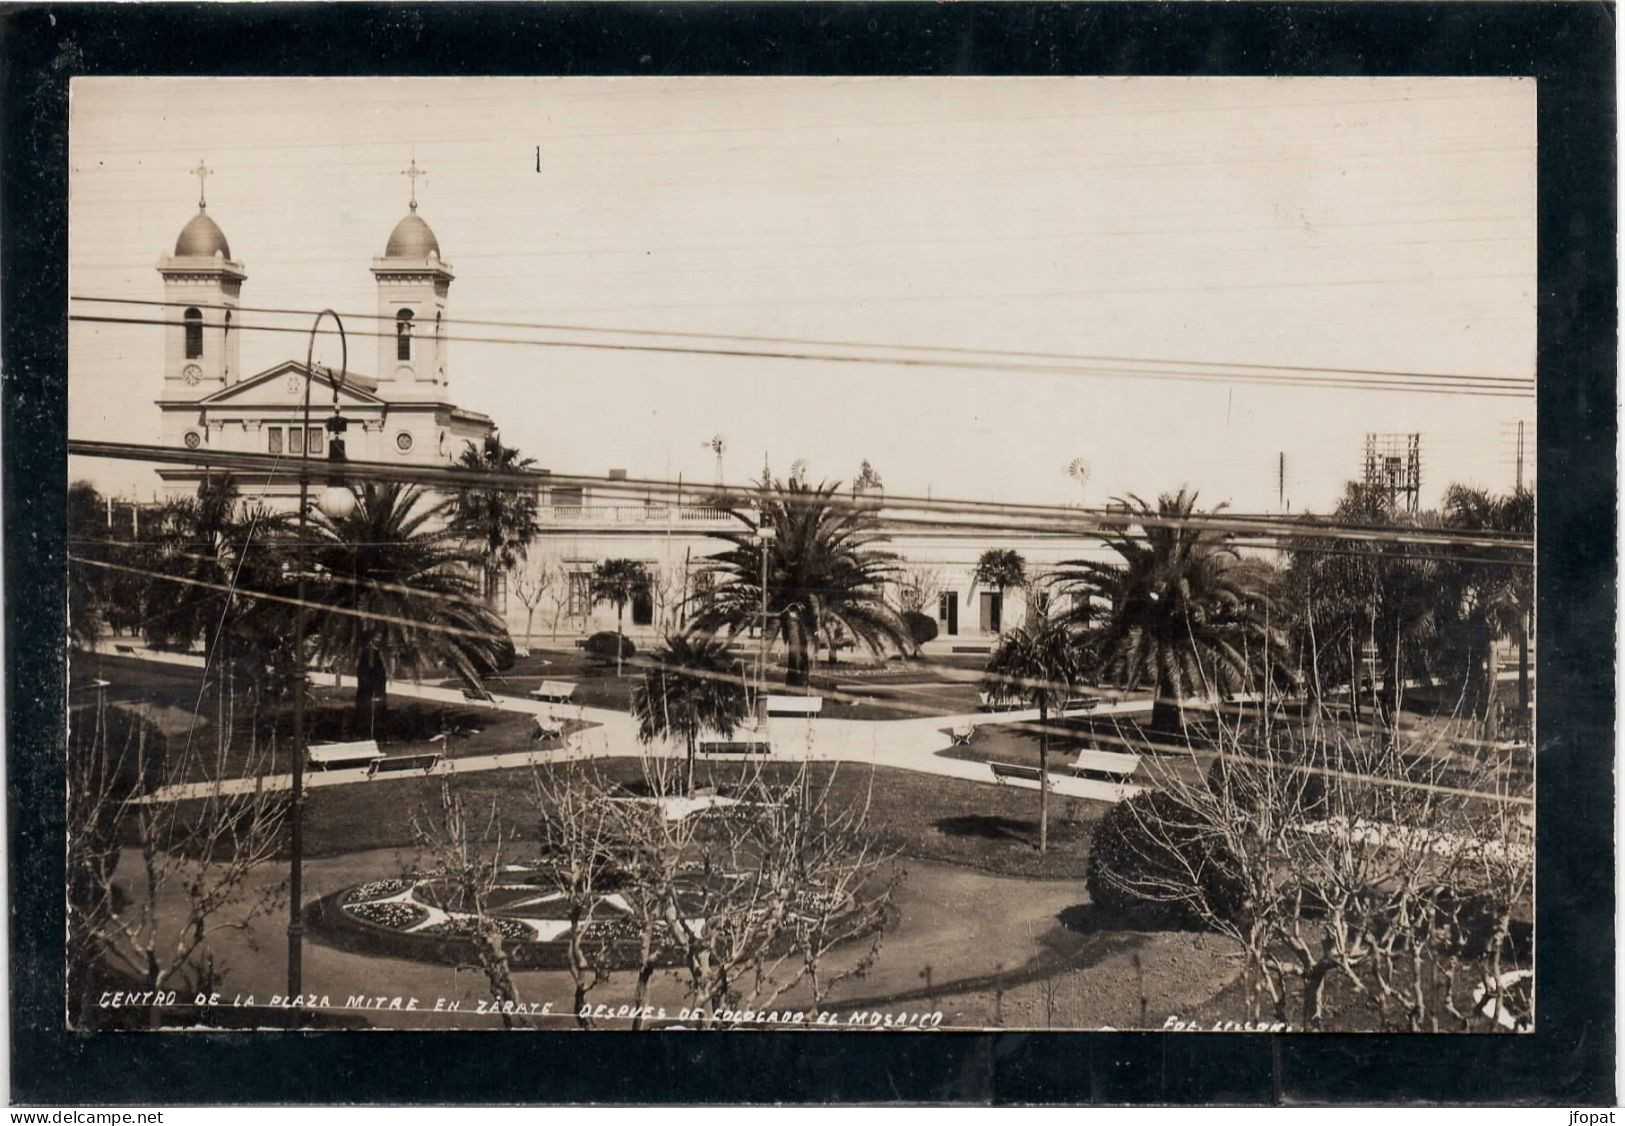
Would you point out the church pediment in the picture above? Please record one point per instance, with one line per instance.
(284, 386)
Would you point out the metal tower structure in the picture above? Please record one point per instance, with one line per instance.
(1393, 469)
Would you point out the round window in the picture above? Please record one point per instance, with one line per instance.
(403, 441)
(193, 439)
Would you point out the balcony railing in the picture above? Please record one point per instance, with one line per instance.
(644, 515)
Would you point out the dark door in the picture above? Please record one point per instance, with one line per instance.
(643, 609)
(950, 612)
(991, 605)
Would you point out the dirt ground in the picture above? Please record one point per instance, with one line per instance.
(1000, 951)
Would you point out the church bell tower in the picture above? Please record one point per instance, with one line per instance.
(202, 285)
(412, 286)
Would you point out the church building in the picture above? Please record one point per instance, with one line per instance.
(402, 412)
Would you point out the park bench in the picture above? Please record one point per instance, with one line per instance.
(992, 703)
(1118, 764)
(329, 755)
(481, 696)
(547, 728)
(808, 706)
(1004, 772)
(746, 744)
(130, 649)
(1079, 704)
(554, 691)
(400, 764)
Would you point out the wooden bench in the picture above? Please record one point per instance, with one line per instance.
(329, 755)
(1117, 764)
(130, 649)
(750, 745)
(554, 691)
(547, 728)
(1079, 704)
(992, 703)
(400, 764)
(1008, 771)
(808, 706)
(480, 696)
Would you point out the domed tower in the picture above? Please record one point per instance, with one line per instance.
(412, 287)
(202, 286)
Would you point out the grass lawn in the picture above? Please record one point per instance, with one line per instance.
(172, 695)
(925, 817)
(1437, 757)
(890, 689)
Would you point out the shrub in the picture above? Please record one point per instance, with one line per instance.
(1147, 876)
(920, 627)
(1310, 792)
(602, 645)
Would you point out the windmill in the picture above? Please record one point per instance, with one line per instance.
(717, 444)
(1078, 470)
(798, 470)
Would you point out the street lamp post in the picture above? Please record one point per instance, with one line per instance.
(337, 501)
(765, 535)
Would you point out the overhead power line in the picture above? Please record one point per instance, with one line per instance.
(1441, 385)
(994, 515)
(818, 342)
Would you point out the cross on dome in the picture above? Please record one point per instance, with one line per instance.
(202, 172)
(412, 172)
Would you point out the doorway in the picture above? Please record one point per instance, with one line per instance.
(991, 607)
(948, 612)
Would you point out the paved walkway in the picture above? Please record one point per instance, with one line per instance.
(904, 744)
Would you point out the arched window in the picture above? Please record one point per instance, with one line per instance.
(194, 334)
(403, 335)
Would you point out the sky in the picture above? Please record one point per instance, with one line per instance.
(1322, 223)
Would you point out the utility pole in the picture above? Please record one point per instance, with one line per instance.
(1280, 484)
(1520, 455)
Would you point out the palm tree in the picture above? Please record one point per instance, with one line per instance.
(1039, 660)
(87, 584)
(823, 570)
(204, 545)
(618, 581)
(1000, 568)
(1181, 611)
(1493, 599)
(501, 521)
(396, 595)
(1385, 600)
(689, 691)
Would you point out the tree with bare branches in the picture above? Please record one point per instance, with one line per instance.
(467, 855)
(151, 878)
(531, 581)
(1382, 858)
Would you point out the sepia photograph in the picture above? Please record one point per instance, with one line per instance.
(801, 553)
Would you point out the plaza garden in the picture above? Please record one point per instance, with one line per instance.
(1217, 787)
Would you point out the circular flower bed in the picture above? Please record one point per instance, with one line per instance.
(377, 889)
(425, 918)
(510, 929)
(395, 915)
